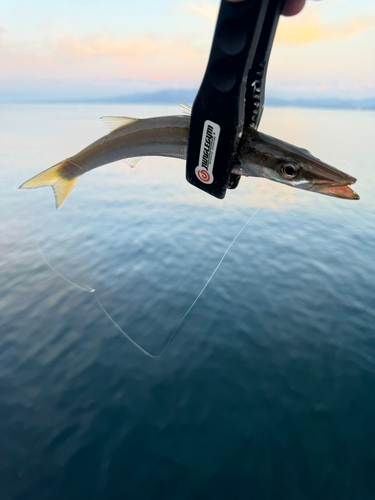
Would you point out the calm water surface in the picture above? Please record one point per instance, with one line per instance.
(267, 391)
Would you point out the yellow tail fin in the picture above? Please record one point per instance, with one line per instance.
(60, 177)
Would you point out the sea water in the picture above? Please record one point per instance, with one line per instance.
(267, 390)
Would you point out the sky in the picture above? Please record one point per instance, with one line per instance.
(106, 48)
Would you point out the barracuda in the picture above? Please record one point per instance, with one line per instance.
(258, 155)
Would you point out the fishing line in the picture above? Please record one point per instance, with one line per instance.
(118, 327)
(89, 290)
(92, 290)
(350, 166)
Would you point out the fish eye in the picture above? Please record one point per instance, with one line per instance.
(289, 170)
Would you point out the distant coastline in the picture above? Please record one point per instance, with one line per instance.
(173, 96)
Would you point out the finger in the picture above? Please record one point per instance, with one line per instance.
(292, 7)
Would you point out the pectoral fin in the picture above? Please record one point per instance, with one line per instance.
(133, 162)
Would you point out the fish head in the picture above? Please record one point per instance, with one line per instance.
(296, 167)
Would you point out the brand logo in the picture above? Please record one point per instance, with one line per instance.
(210, 138)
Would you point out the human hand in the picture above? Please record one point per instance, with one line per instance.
(291, 7)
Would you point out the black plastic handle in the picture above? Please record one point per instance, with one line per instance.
(256, 79)
(218, 113)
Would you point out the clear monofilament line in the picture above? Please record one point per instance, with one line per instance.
(215, 270)
(350, 165)
(118, 327)
(89, 290)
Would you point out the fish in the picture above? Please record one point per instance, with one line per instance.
(257, 155)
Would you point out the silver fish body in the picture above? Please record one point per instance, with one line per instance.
(258, 155)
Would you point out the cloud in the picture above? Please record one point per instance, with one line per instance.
(205, 10)
(71, 56)
(129, 50)
(307, 27)
(370, 82)
(178, 57)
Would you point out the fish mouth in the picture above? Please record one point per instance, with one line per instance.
(337, 190)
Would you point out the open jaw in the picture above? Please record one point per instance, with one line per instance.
(339, 191)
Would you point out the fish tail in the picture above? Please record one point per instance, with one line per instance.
(62, 177)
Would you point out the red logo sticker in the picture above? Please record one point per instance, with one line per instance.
(203, 175)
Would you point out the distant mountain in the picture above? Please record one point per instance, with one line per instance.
(173, 96)
(168, 96)
(323, 103)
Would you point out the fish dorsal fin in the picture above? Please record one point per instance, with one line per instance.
(133, 162)
(186, 108)
(115, 122)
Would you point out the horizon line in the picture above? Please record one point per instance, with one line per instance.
(173, 96)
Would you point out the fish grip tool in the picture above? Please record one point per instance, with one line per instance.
(231, 95)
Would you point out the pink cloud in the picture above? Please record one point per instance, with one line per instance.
(69, 56)
(309, 27)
